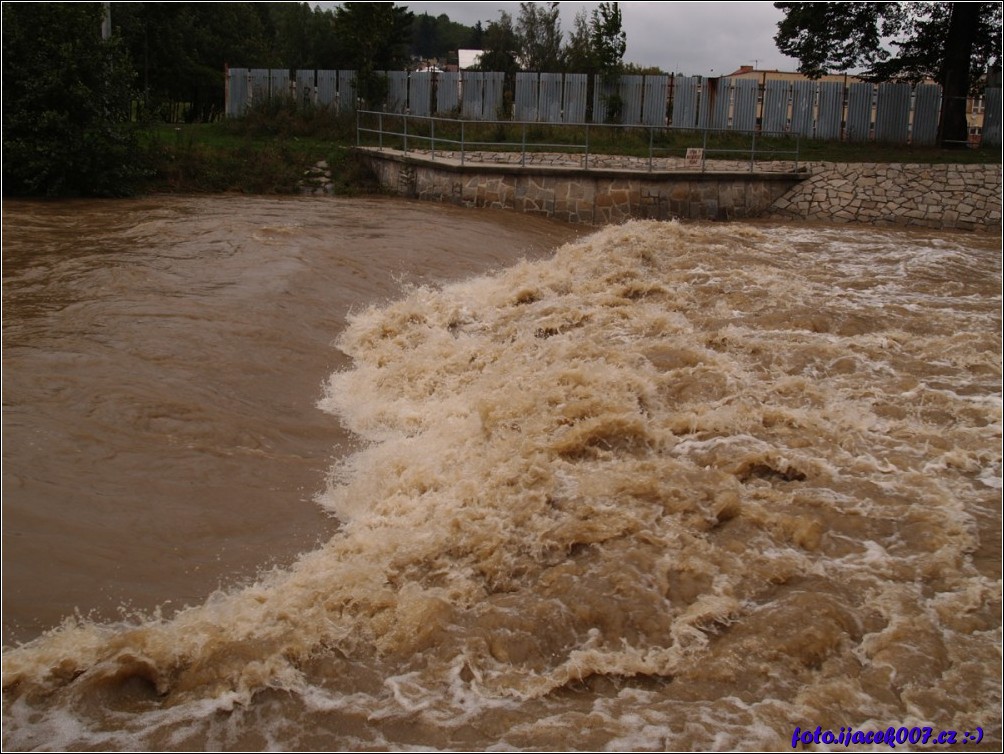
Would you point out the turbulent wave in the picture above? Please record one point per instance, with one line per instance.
(678, 485)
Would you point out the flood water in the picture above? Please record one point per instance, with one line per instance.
(313, 473)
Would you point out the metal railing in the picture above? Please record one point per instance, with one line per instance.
(401, 131)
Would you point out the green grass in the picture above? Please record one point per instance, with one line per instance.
(268, 151)
(265, 153)
(665, 142)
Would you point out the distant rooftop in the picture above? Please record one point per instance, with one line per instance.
(468, 58)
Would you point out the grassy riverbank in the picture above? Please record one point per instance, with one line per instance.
(269, 152)
(265, 153)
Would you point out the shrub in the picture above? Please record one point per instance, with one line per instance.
(66, 104)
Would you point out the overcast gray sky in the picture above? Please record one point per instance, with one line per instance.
(690, 38)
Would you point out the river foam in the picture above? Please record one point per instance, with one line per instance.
(678, 486)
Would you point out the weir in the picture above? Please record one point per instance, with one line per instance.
(613, 189)
(610, 190)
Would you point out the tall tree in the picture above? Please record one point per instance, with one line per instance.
(66, 103)
(954, 43)
(579, 55)
(439, 37)
(302, 37)
(477, 38)
(501, 46)
(180, 50)
(375, 37)
(538, 30)
(609, 43)
(608, 38)
(425, 41)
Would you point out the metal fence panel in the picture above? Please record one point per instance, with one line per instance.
(482, 94)
(602, 102)
(685, 102)
(527, 94)
(346, 91)
(831, 110)
(926, 114)
(494, 97)
(892, 113)
(803, 101)
(630, 91)
(707, 102)
(327, 88)
(447, 93)
(306, 89)
(992, 117)
(859, 112)
(654, 94)
(775, 106)
(259, 85)
(420, 93)
(575, 97)
(397, 91)
(721, 104)
(472, 93)
(549, 104)
(238, 88)
(744, 107)
(279, 83)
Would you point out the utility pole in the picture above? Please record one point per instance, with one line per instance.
(106, 21)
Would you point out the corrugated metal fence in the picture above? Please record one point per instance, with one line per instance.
(894, 113)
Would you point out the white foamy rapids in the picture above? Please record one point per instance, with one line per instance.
(679, 486)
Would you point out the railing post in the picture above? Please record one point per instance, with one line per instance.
(704, 149)
(433, 140)
(752, 151)
(359, 142)
(585, 163)
(380, 128)
(461, 142)
(522, 158)
(651, 134)
(406, 133)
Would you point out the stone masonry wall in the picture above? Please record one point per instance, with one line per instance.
(933, 196)
(593, 197)
(936, 196)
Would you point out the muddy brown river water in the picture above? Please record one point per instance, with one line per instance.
(309, 473)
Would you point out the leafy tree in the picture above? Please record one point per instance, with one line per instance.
(180, 50)
(635, 69)
(957, 44)
(374, 37)
(609, 43)
(66, 103)
(608, 38)
(477, 38)
(922, 50)
(302, 37)
(439, 38)
(425, 42)
(326, 46)
(840, 36)
(538, 31)
(501, 46)
(579, 54)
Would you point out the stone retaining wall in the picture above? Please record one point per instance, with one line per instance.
(615, 189)
(659, 164)
(575, 195)
(932, 196)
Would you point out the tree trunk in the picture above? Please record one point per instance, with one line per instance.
(953, 130)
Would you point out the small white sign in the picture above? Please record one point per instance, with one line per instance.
(695, 156)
